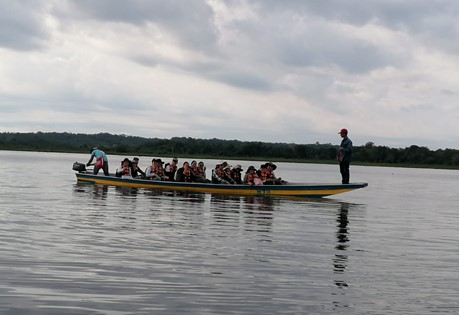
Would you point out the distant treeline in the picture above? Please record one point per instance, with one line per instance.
(217, 148)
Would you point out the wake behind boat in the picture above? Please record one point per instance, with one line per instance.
(304, 190)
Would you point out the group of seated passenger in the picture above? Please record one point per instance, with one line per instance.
(168, 172)
(225, 174)
(196, 172)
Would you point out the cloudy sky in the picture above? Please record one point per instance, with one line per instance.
(256, 70)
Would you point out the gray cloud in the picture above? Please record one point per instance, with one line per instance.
(382, 67)
(22, 26)
(191, 21)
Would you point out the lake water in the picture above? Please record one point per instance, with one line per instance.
(68, 248)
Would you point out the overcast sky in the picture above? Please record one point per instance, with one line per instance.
(257, 70)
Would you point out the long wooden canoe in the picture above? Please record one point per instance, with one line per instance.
(304, 190)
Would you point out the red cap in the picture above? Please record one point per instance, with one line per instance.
(343, 131)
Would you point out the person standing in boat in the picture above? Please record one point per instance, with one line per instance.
(101, 161)
(344, 156)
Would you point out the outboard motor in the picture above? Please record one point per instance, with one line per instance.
(79, 167)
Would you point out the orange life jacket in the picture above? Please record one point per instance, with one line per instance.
(158, 170)
(187, 175)
(263, 175)
(250, 179)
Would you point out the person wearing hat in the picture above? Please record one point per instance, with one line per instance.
(159, 170)
(263, 174)
(344, 156)
(251, 176)
(125, 169)
(218, 174)
(101, 161)
(236, 174)
(271, 179)
(171, 168)
(135, 170)
(227, 174)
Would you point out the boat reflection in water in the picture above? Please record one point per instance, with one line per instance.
(342, 235)
(252, 213)
(95, 191)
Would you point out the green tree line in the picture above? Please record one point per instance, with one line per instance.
(218, 148)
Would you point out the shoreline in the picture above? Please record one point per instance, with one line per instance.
(246, 158)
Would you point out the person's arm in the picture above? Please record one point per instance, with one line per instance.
(179, 175)
(228, 179)
(149, 172)
(215, 175)
(90, 160)
(246, 179)
(346, 146)
(119, 172)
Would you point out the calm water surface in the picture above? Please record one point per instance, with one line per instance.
(68, 248)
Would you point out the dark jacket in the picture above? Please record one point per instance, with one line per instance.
(345, 150)
(181, 177)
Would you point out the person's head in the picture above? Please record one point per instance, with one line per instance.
(193, 163)
(174, 160)
(186, 165)
(237, 168)
(134, 162)
(159, 162)
(92, 149)
(227, 169)
(251, 169)
(343, 132)
(271, 166)
(136, 159)
(153, 161)
(263, 167)
(222, 165)
(126, 162)
(201, 164)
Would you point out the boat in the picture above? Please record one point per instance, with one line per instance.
(303, 190)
